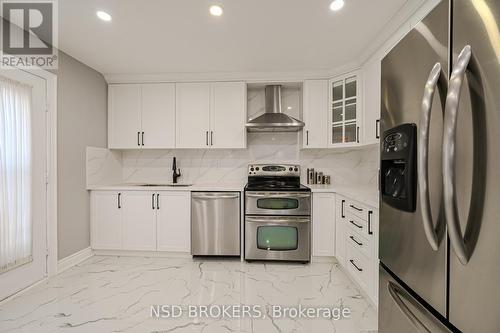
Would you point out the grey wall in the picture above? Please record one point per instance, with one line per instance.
(81, 122)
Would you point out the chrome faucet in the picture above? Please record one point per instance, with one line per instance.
(177, 172)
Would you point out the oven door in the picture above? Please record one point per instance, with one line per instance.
(278, 203)
(278, 238)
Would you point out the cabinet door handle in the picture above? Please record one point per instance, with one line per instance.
(355, 224)
(206, 137)
(119, 200)
(357, 134)
(211, 138)
(307, 137)
(377, 129)
(138, 138)
(355, 241)
(370, 232)
(358, 209)
(359, 269)
(153, 201)
(143, 138)
(158, 201)
(342, 209)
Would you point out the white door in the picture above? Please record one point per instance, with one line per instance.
(228, 115)
(139, 220)
(124, 116)
(23, 167)
(106, 220)
(315, 134)
(174, 222)
(192, 115)
(323, 224)
(158, 115)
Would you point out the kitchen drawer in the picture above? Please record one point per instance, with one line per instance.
(362, 243)
(356, 209)
(359, 267)
(355, 223)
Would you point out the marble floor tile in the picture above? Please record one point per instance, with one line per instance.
(117, 294)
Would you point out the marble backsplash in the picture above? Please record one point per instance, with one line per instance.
(345, 166)
(359, 166)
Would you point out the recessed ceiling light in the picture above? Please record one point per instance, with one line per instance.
(216, 10)
(336, 4)
(103, 16)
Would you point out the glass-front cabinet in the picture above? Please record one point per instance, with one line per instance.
(344, 118)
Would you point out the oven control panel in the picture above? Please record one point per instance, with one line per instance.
(277, 170)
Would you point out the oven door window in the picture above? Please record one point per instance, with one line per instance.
(277, 238)
(278, 203)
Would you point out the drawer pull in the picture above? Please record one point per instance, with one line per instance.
(352, 263)
(358, 209)
(355, 241)
(357, 225)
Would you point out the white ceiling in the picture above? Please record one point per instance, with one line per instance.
(179, 36)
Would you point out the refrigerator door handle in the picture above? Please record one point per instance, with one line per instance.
(423, 156)
(449, 155)
(395, 292)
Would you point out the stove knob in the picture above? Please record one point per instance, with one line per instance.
(296, 169)
(251, 169)
(257, 168)
(290, 169)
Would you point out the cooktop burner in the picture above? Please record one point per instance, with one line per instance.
(274, 177)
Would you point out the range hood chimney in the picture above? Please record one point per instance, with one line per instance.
(274, 120)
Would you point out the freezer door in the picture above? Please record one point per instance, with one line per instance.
(404, 245)
(400, 312)
(474, 269)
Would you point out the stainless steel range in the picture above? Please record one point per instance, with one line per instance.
(277, 214)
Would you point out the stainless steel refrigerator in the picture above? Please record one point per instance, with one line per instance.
(440, 174)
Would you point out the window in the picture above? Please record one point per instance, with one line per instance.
(15, 174)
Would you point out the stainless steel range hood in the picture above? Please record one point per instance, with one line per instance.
(274, 120)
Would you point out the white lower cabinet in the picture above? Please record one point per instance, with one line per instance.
(106, 220)
(323, 224)
(357, 243)
(174, 222)
(141, 220)
(340, 228)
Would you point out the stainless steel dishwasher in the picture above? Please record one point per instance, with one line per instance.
(215, 223)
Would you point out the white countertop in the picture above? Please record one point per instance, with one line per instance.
(195, 187)
(361, 193)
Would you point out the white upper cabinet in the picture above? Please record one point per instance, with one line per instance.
(315, 108)
(158, 115)
(372, 82)
(228, 115)
(124, 116)
(141, 116)
(192, 115)
(345, 111)
(211, 115)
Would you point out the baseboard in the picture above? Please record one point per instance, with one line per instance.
(74, 259)
(134, 253)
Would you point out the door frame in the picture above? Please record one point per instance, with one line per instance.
(51, 147)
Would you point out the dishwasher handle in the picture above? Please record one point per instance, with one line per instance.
(206, 196)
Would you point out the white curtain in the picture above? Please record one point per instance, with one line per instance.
(15, 174)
